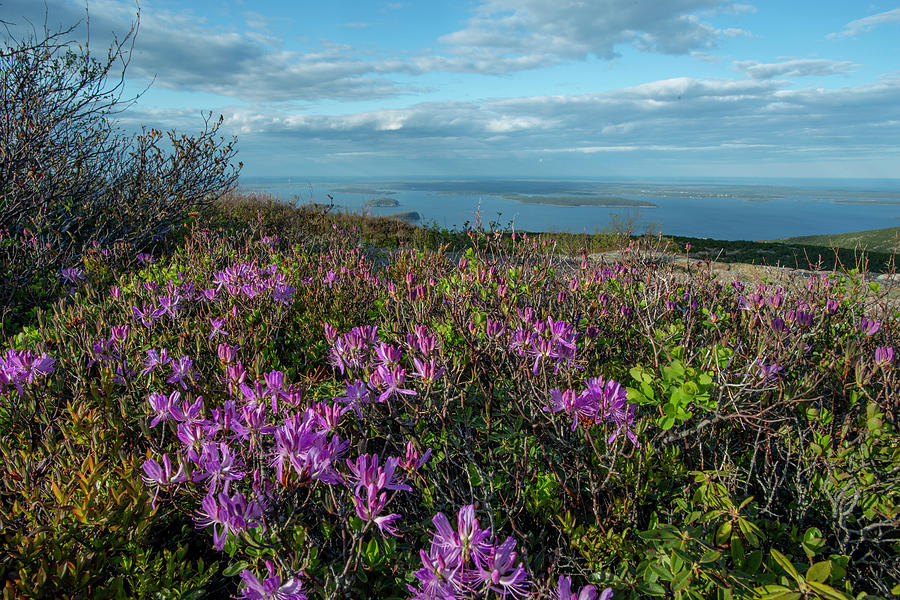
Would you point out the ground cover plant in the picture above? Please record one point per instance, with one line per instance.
(279, 409)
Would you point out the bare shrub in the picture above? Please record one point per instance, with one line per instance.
(71, 180)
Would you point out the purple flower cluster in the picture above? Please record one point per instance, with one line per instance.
(768, 372)
(869, 327)
(351, 351)
(381, 375)
(169, 304)
(242, 280)
(161, 475)
(369, 481)
(302, 444)
(228, 514)
(216, 442)
(466, 559)
(181, 370)
(243, 454)
(249, 281)
(588, 592)
(543, 340)
(270, 588)
(884, 356)
(765, 308)
(73, 275)
(154, 360)
(601, 401)
(18, 367)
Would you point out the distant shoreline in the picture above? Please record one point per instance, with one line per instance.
(872, 202)
(581, 201)
(578, 199)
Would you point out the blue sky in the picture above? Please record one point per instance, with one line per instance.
(593, 88)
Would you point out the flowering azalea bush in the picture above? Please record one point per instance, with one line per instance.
(288, 414)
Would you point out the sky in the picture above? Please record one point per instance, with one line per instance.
(506, 88)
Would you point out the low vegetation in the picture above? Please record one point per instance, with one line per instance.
(874, 240)
(281, 402)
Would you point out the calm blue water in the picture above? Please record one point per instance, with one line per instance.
(723, 209)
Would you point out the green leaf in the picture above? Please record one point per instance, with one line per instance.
(639, 374)
(812, 542)
(754, 561)
(819, 571)
(660, 571)
(691, 388)
(826, 591)
(681, 580)
(636, 396)
(235, 568)
(750, 531)
(786, 564)
(724, 533)
(372, 549)
(676, 561)
(776, 592)
(737, 551)
(663, 532)
(838, 567)
(652, 589)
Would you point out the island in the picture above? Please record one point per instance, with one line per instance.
(382, 202)
(580, 201)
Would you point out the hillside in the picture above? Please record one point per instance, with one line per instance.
(878, 240)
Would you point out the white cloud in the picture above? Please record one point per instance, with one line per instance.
(867, 24)
(511, 34)
(804, 67)
(743, 9)
(510, 124)
(180, 51)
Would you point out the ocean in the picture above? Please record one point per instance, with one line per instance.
(730, 209)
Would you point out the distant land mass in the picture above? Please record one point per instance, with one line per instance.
(359, 190)
(382, 202)
(580, 201)
(875, 240)
(410, 216)
(877, 202)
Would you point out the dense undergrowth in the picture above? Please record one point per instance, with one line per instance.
(268, 405)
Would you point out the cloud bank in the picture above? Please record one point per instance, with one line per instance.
(709, 120)
(807, 67)
(867, 24)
